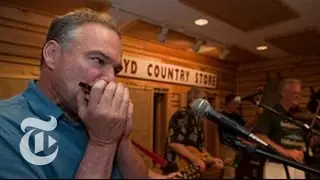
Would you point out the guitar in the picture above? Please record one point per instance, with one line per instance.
(189, 171)
(183, 162)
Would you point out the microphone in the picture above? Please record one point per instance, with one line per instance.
(249, 97)
(202, 108)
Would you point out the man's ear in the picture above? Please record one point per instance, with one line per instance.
(51, 53)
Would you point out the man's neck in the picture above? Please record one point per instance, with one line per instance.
(228, 111)
(285, 105)
(48, 90)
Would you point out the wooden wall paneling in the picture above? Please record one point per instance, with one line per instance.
(25, 17)
(10, 87)
(19, 71)
(275, 63)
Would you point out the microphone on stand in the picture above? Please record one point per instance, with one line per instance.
(249, 97)
(202, 108)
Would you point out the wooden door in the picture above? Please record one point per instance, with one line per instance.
(142, 131)
(160, 122)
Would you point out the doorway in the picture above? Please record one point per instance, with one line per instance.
(142, 119)
(160, 121)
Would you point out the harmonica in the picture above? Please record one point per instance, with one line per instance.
(86, 88)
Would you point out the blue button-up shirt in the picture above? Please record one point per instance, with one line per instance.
(37, 140)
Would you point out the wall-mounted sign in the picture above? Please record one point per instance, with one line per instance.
(157, 71)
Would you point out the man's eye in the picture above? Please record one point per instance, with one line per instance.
(99, 61)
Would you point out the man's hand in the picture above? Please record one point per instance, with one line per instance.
(294, 154)
(199, 163)
(205, 155)
(175, 175)
(105, 113)
(154, 175)
(218, 163)
(128, 129)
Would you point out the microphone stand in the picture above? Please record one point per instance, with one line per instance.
(304, 126)
(252, 148)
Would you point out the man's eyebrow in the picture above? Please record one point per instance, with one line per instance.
(97, 52)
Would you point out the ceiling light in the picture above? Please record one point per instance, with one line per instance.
(201, 22)
(261, 48)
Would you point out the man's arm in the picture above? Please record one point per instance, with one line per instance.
(279, 148)
(104, 116)
(130, 162)
(174, 175)
(204, 150)
(295, 154)
(97, 162)
(177, 138)
(181, 149)
(264, 128)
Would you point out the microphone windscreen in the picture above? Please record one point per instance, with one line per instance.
(199, 106)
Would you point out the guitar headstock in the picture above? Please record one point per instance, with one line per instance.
(191, 172)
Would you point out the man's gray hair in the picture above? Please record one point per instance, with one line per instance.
(62, 28)
(194, 92)
(287, 82)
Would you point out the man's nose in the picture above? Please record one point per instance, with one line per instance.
(108, 74)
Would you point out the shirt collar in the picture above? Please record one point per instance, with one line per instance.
(40, 103)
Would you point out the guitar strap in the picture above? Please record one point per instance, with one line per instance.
(155, 157)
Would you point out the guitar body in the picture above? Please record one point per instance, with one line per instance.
(183, 162)
(211, 172)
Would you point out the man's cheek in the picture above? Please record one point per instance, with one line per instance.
(92, 76)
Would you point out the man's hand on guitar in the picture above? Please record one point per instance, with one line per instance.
(218, 163)
(155, 175)
(295, 155)
(198, 162)
(175, 175)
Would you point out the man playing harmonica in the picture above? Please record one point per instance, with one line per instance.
(88, 136)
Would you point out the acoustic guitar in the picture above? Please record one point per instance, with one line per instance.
(183, 162)
(189, 171)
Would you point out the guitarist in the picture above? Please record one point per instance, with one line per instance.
(186, 129)
(285, 137)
